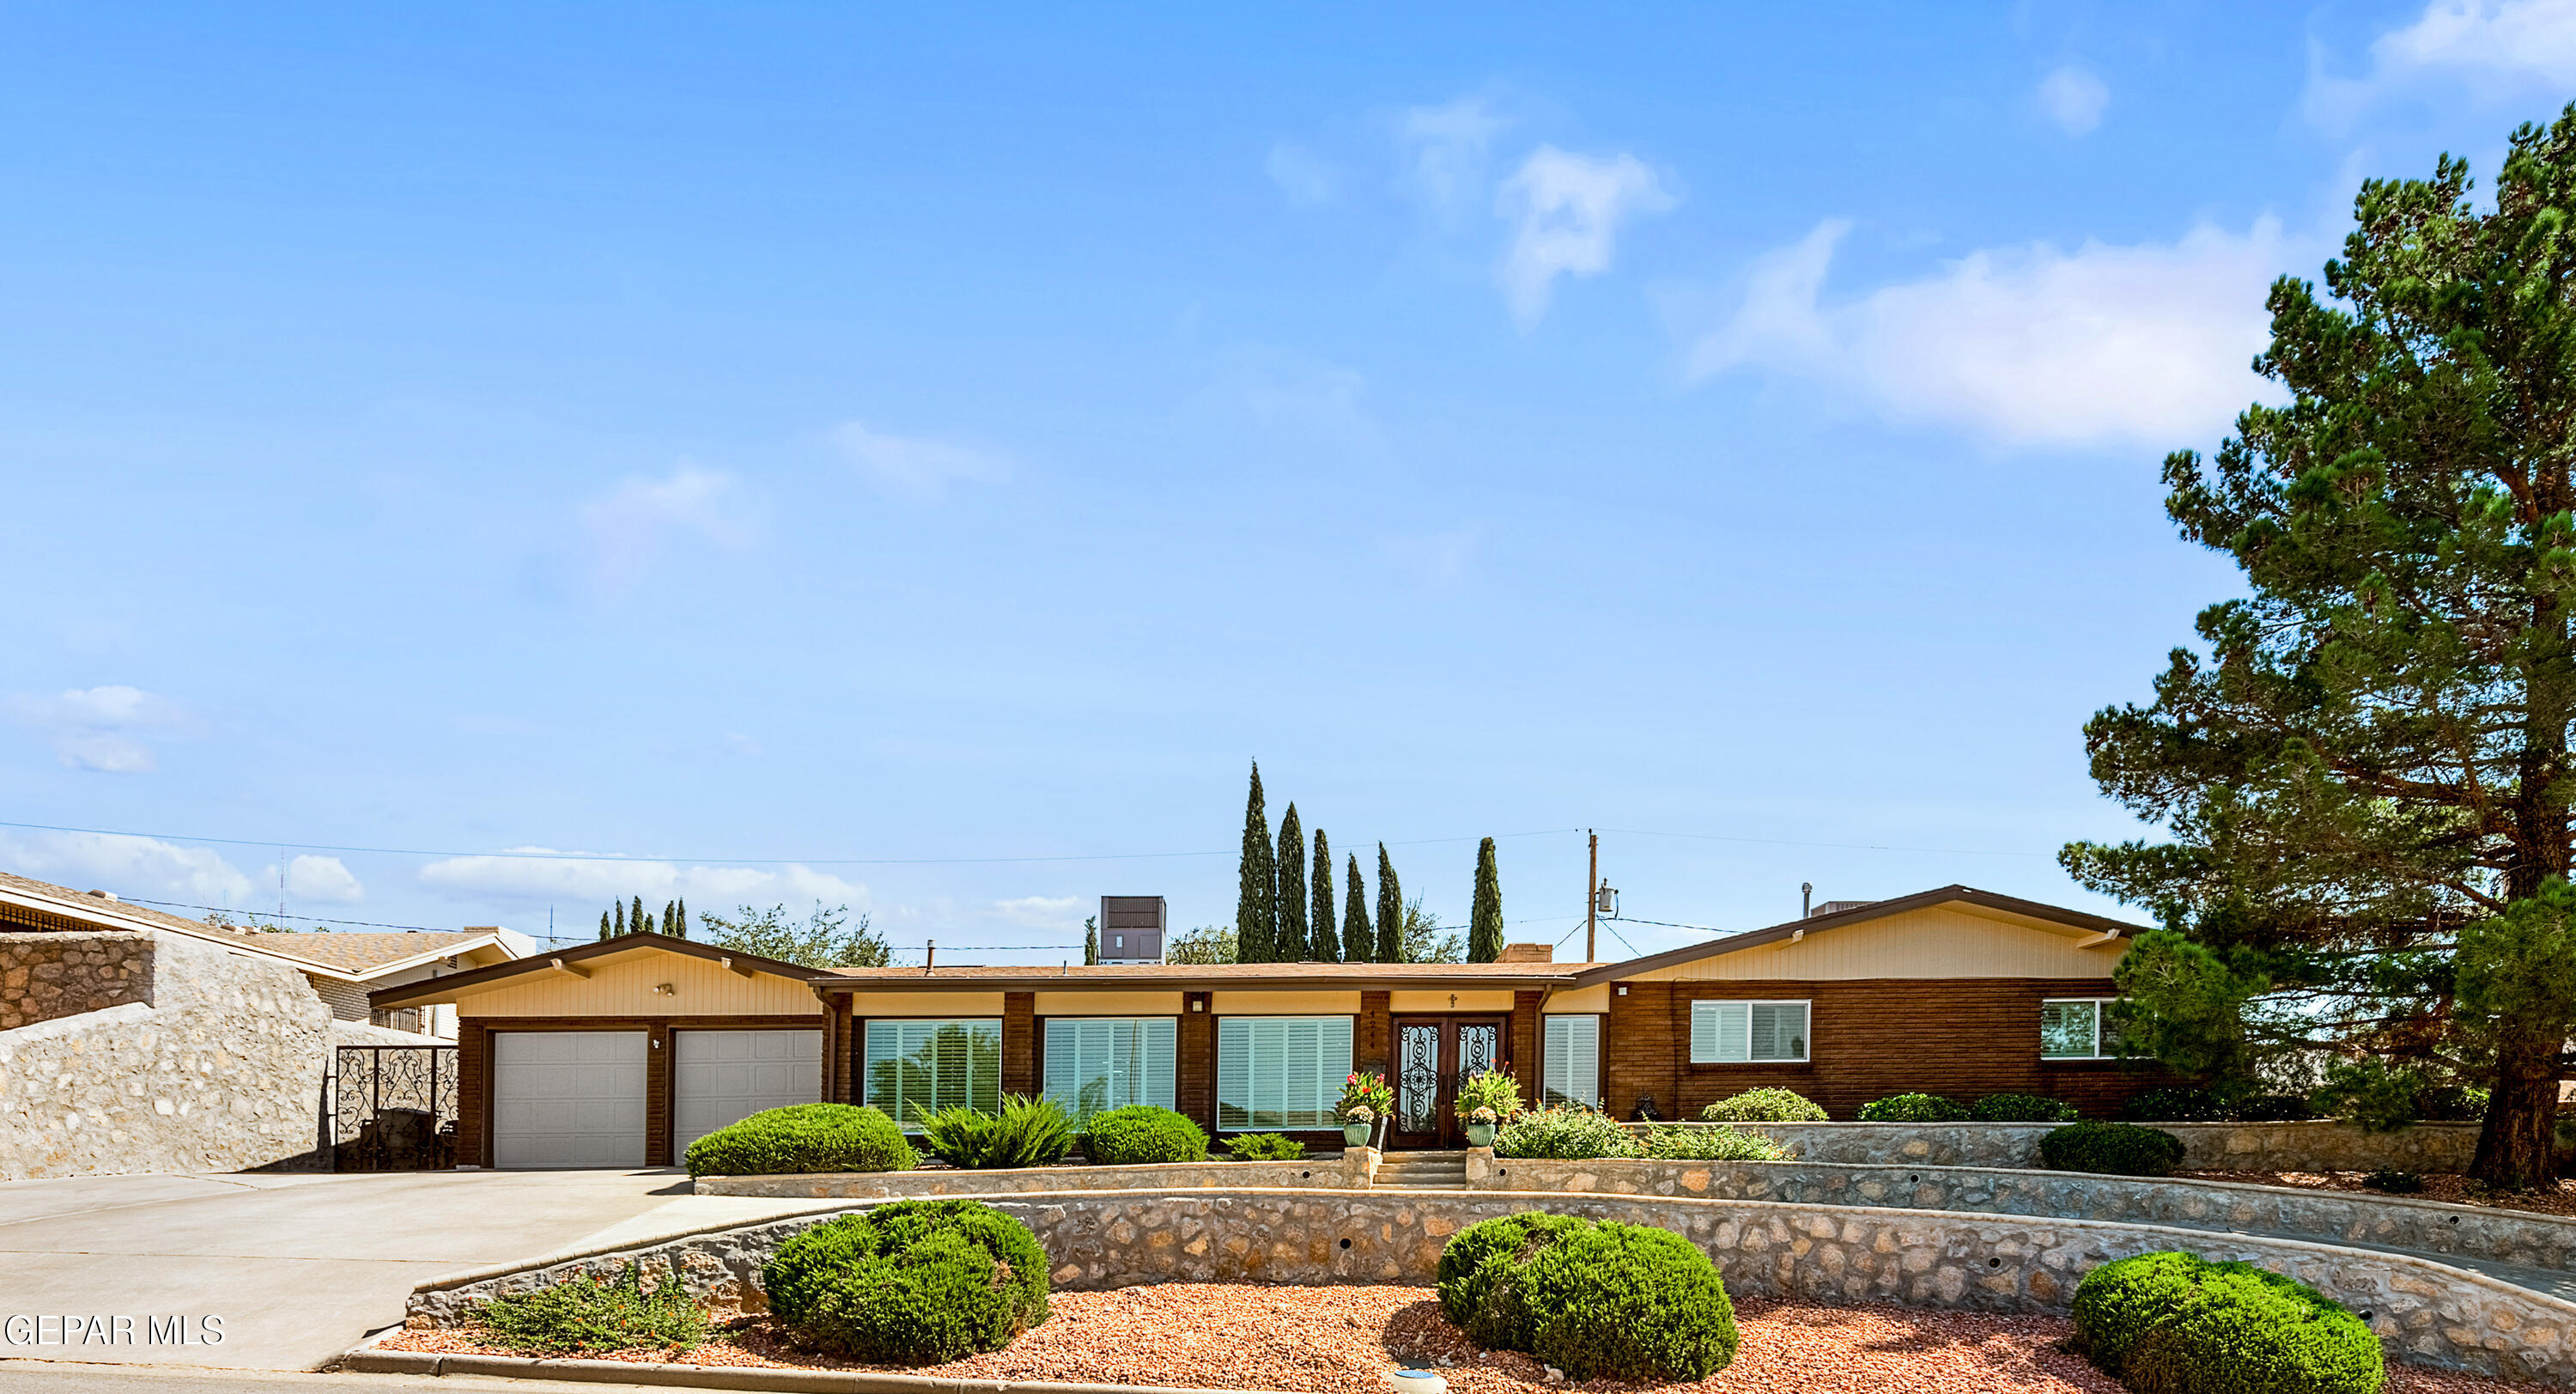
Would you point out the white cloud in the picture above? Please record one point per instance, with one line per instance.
(631, 525)
(1304, 176)
(2146, 343)
(320, 878)
(553, 880)
(102, 728)
(141, 868)
(1040, 911)
(1440, 156)
(2074, 98)
(2495, 48)
(1568, 209)
(915, 468)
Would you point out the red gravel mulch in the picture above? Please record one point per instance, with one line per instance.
(1337, 1339)
(2438, 1185)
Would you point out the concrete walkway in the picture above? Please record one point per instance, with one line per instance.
(295, 1268)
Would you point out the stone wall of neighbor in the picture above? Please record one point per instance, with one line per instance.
(1346, 1171)
(2311, 1146)
(2468, 1231)
(220, 1071)
(2423, 1310)
(45, 975)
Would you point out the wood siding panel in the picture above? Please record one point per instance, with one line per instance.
(1939, 942)
(624, 985)
(1373, 1039)
(1443, 1002)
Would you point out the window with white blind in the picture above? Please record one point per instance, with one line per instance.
(917, 1066)
(1096, 1063)
(1280, 1071)
(2078, 1028)
(1571, 1056)
(1741, 1032)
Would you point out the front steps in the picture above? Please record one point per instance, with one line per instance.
(1422, 1171)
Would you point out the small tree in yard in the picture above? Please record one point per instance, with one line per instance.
(825, 940)
(1209, 943)
(1288, 940)
(1390, 911)
(2366, 770)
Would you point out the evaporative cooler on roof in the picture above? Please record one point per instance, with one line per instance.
(1131, 928)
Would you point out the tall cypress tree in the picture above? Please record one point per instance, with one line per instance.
(636, 918)
(1390, 911)
(1359, 940)
(1327, 940)
(1252, 913)
(621, 917)
(683, 917)
(1090, 940)
(1485, 920)
(603, 924)
(1289, 943)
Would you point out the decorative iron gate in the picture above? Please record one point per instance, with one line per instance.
(393, 1108)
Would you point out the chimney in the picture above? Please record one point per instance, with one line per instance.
(1528, 953)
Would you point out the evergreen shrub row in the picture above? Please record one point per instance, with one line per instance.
(1598, 1300)
(803, 1137)
(2116, 1149)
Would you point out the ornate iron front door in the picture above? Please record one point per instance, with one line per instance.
(1433, 1053)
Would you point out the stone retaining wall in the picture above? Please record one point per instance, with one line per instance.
(1347, 1171)
(221, 1071)
(2504, 1236)
(58, 973)
(2323, 1145)
(2423, 1310)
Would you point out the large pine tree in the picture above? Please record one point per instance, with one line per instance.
(1252, 912)
(1289, 942)
(1485, 920)
(1326, 939)
(2366, 767)
(1359, 939)
(1390, 911)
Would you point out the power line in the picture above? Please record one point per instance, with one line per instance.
(266, 915)
(1664, 924)
(1844, 846)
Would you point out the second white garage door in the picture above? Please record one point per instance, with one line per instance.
(568, 1098)
(722, 1077)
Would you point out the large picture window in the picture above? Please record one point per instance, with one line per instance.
(1280, 1071)
(1571, 1050)
(1097, 1063)
(2078, 1028)
(917, 1066)
(1740, 1032)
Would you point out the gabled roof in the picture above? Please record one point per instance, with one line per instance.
(2076, 921)
(348, 957)
(545, 960)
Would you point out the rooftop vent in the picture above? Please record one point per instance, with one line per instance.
(1836, 907)
(104, 895)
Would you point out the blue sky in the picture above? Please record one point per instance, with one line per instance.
(917, 459)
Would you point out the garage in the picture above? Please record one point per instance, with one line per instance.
(721, 1077)
(568, 1098)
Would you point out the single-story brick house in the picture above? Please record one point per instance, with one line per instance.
(622, 1052)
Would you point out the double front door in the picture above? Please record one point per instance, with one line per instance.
(1433, 1053)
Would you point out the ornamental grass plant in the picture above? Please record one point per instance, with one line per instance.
(582, 1315)
(1026, 1132)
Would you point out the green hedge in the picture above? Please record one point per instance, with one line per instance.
(1680, 1142)
(2021, 1108)
(2117, 1149)
(1764, 1106)
(1570, 1134)
(803, 1137)
(1597, 1300)
(2173, 1323)
(1913, 1108)
(913, 1282)
(1141, 1133)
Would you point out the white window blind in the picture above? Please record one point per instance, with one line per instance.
(1096, 1063)
(1280, 1071)
(2078, 1028)
(1571, 1051)
(915, 1066)
(1740, 1032)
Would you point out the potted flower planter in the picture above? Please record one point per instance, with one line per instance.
(1480, 1135)
(1355, 1133)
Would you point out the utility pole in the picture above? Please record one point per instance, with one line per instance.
(1592, 898)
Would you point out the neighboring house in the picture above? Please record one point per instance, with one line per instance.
(621, 1052)
(347, 967)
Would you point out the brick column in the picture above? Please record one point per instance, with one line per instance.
(1374, 1047)
(1019, 1043)
(1644, 1045)
(473, 1063)
(658, 1084)
(1526, 1064)
(1194, 1076)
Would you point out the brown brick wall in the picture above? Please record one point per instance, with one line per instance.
(1868, 1039)
(1019, 1043)
(1194, 1072)
(1373, 1038)
(1524, 1044)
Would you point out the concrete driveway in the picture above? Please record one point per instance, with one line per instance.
(294, 1268)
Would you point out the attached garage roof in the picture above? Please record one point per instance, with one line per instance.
(501, 974)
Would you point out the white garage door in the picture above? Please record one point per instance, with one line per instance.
(568, 1098)
(726, 1076)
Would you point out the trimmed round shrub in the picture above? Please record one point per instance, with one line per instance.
(1567, 1134)
(2021, 1108)
(2172, 1323)
(1913, 1108)
(803, 1137)
(1764, 1106)
(1480, 1271)
(2116, 1149)
(1142, 1133)
(1627, 1302)
(914, 1282)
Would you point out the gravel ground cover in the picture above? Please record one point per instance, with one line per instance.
(2438, 1185)
(1332, 1340)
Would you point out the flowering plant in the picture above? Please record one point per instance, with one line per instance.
(1492, 1093)
(1484, 1115)
(1365, 1096)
